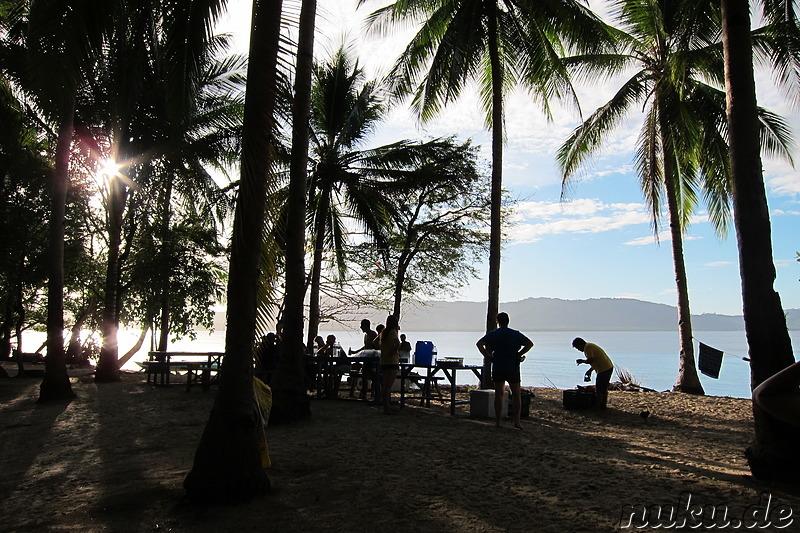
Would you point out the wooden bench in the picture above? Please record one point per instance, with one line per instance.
(200, 368)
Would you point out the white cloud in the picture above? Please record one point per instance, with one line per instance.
(787, 184)
(533, 220)
(716, 264)
(663, 237)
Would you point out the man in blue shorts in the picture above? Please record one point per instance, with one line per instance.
(506, 348)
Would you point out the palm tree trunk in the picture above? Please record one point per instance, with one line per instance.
(108, 365)
(166, 264)
(496, 229)
(290, 401)
(688, 380)
(773, 451)
(228, 464)
(314, 313)
(55, 385)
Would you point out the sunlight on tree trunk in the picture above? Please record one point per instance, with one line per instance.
(688, 380)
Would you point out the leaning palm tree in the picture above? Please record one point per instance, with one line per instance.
(771, 455)
(501, 44)
(673, 49)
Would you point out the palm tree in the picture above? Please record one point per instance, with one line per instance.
(228, 462)
(344, 110)
(139, 63)
(290, 400)
(674, 157)
(501, 44)
(770, 347)
(673, 47)
(205, 133)
(62, 38)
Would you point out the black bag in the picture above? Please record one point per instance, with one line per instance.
(525, 411)
(578, 399)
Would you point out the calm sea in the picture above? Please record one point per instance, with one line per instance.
(651, 356)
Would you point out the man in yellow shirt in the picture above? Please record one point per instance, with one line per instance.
(599, 361)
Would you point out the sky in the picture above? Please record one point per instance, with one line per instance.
(598, 242)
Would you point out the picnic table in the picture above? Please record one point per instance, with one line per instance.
(431, 377)
(199, 367)
(427, 377)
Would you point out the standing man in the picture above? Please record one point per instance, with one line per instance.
(506, 349)
(369, 337)
(367, 367)
(600, 362)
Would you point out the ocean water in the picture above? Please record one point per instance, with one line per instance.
(650, 356)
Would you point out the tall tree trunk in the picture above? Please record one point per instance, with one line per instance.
(166, 264)
(773, 454)
(290, 400)
(20, 309)
(228, 463)
(688, 380)
(496, 222)
(55, 385)
(314, 313)
(108, 365)
(5, 338)
(399, 281)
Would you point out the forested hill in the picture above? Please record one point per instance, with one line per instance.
(552, 314)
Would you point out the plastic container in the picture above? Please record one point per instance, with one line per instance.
(481, 403)
(423, 353)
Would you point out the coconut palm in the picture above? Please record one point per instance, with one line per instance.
(228, 464)
(344, 111)
(501, 44)
(290, 400)
(150, 85)
(770, 347)
(673, 49)
(60, 42)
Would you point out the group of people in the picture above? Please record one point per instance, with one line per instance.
(386, 339)
(506, 349)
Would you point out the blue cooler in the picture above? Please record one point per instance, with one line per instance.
(423, 353)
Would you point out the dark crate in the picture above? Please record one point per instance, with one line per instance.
(578, 399)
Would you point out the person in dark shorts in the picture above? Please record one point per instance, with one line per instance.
(599, 361)
(506, 348)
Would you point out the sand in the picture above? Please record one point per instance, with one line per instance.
(114, 459)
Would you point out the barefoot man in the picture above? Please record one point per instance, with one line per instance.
(506, 348)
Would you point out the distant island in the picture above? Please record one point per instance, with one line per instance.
(554, 314)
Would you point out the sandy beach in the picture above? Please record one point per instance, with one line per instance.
(114, 459)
